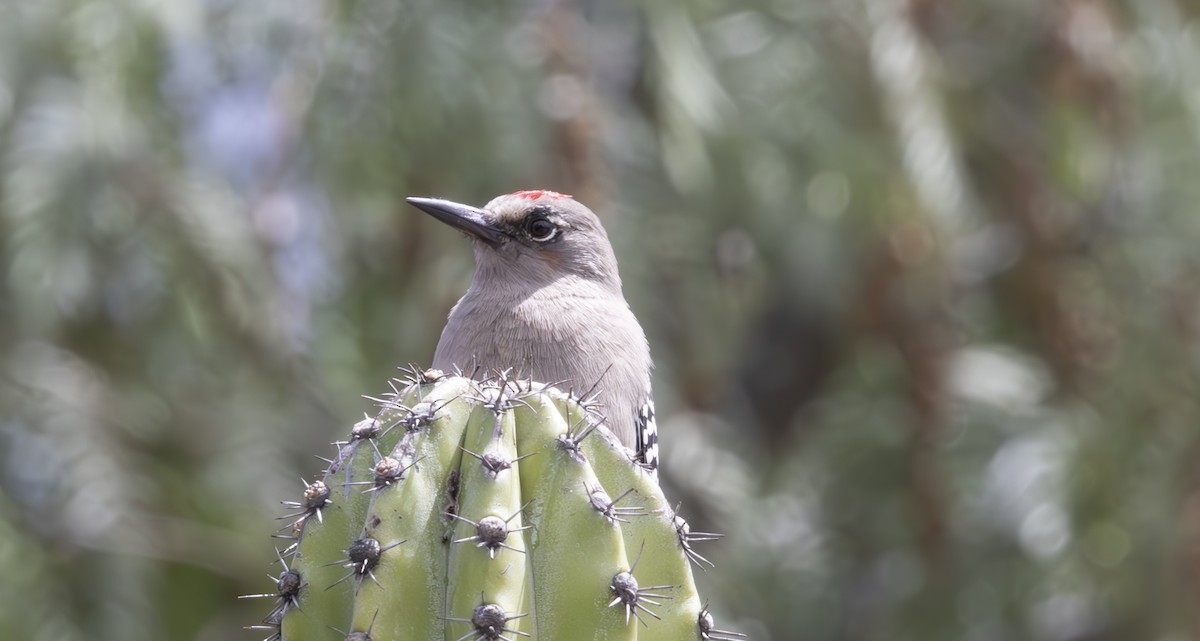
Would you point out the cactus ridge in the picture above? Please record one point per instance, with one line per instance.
(481, 510)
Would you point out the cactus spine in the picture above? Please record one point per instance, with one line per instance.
(483, 510)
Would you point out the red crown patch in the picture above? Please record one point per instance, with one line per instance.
(534, 194)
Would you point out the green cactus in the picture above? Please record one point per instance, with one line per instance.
(484, 510)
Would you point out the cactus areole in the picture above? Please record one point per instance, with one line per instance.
(453, 516)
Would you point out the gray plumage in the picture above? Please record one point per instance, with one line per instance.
(546, 300)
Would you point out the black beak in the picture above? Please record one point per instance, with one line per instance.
(464, 218)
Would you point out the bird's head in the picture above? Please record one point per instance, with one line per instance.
(532, 236)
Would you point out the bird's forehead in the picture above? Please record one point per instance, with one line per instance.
(537, 194)
(514, 206)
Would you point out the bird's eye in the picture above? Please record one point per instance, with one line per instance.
(541, 229)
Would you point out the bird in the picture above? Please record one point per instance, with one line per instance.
(546, 299)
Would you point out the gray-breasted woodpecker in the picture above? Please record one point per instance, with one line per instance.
(546, 301)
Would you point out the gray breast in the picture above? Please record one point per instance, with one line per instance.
(574, 341)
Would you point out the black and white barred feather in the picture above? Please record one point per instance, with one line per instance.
(646, 435)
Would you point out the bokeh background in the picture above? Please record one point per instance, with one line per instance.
(921, 278)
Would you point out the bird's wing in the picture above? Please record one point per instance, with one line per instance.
(645, 434)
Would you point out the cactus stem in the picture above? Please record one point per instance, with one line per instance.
(496, 395)
(494, 464)
(545, 387)
(368, 428)
(592, 394)
(335, 463)
(287, 590)
(384, 403)
(375, 447)
(490, 623)
(290, 550)
(419, 416)
(460, 436)
(608, 508)
(453, 486)
(572, 441)
(275, 633)
(361, 557)
(626, 589)
(592, 407)
(297, 528)
(387, 470)
(492, 532)
(423, 414)
(459, 371)
(417, 376)
(358, 636)
(709, 633)
(316, 498)
(686, 537)
(363, 636)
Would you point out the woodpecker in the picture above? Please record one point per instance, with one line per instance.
(546, 300)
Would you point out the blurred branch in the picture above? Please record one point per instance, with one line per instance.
(917, 325)
(567, 94)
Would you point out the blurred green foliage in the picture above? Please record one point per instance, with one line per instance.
(920, 280)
